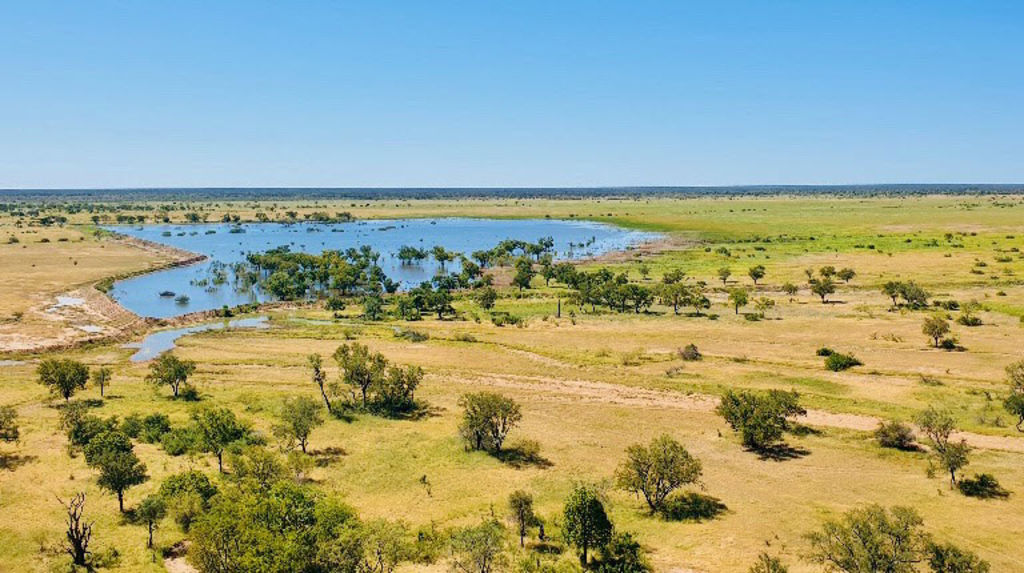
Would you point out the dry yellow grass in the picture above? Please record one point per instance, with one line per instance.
(591, 386)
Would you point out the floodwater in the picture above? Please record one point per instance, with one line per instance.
(161, 341)
(181, 290)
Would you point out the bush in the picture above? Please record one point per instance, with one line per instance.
(950, 344)
(825, 351)
(154, 426)
(412, 335)
(179, 441)
(689, 353)
(504, 318)
(837, 362)
(984, 486)
(895, 435)
(132, 425)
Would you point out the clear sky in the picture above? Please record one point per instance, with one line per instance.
(517, 93)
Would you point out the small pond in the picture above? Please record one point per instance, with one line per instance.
(191, 288)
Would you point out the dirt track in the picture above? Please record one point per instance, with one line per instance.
(585, 391)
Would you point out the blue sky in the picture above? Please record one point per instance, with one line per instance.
(522, 93)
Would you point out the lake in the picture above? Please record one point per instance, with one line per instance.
(227, 243)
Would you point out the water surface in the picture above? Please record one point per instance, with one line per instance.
(161, 341)
(226, 243)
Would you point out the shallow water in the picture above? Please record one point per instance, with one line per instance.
(159, 342)
(142, 294)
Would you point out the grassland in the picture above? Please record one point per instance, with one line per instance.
(593, 384)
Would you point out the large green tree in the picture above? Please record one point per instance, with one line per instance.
(217, 428)
(113, 455)
(656, 470)
(487, 419)
(871, 540)
(63, 376)
(760, 418)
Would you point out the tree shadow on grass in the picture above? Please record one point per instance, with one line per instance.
(802, 430)
(523, 455)
(983, 486)
(692, 506)
(780, 452)
(11, 462)
(327, 456)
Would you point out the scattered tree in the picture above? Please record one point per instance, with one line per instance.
(823, 288)
(520, 505)
(723, 274)
(316, 363)
(948, 558)
(360, 368)
(1014, 403)
(761, 419)
(756, 273)
(846, 274)
(870, 539)
(113, 455)
(935, 327)
(487, 419)
(738, 298)
(479, 548)
(655, 471)
(101, 377)
(169, 370)
(63, 376)
(9, 431)
(486, 297)
(939, 426)
(217, 428)
(151, 511)
(586, 524)
(300, 415)
(78, 533)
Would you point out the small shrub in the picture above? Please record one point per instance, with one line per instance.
(984, 486)
(825, 351)
(950, 344)
(837, 362)
(969, 320)
(895, 435)
(131, 426)
(154, 426)
(412, 335)
(505, 319)
(689, 353)
(178, 441)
